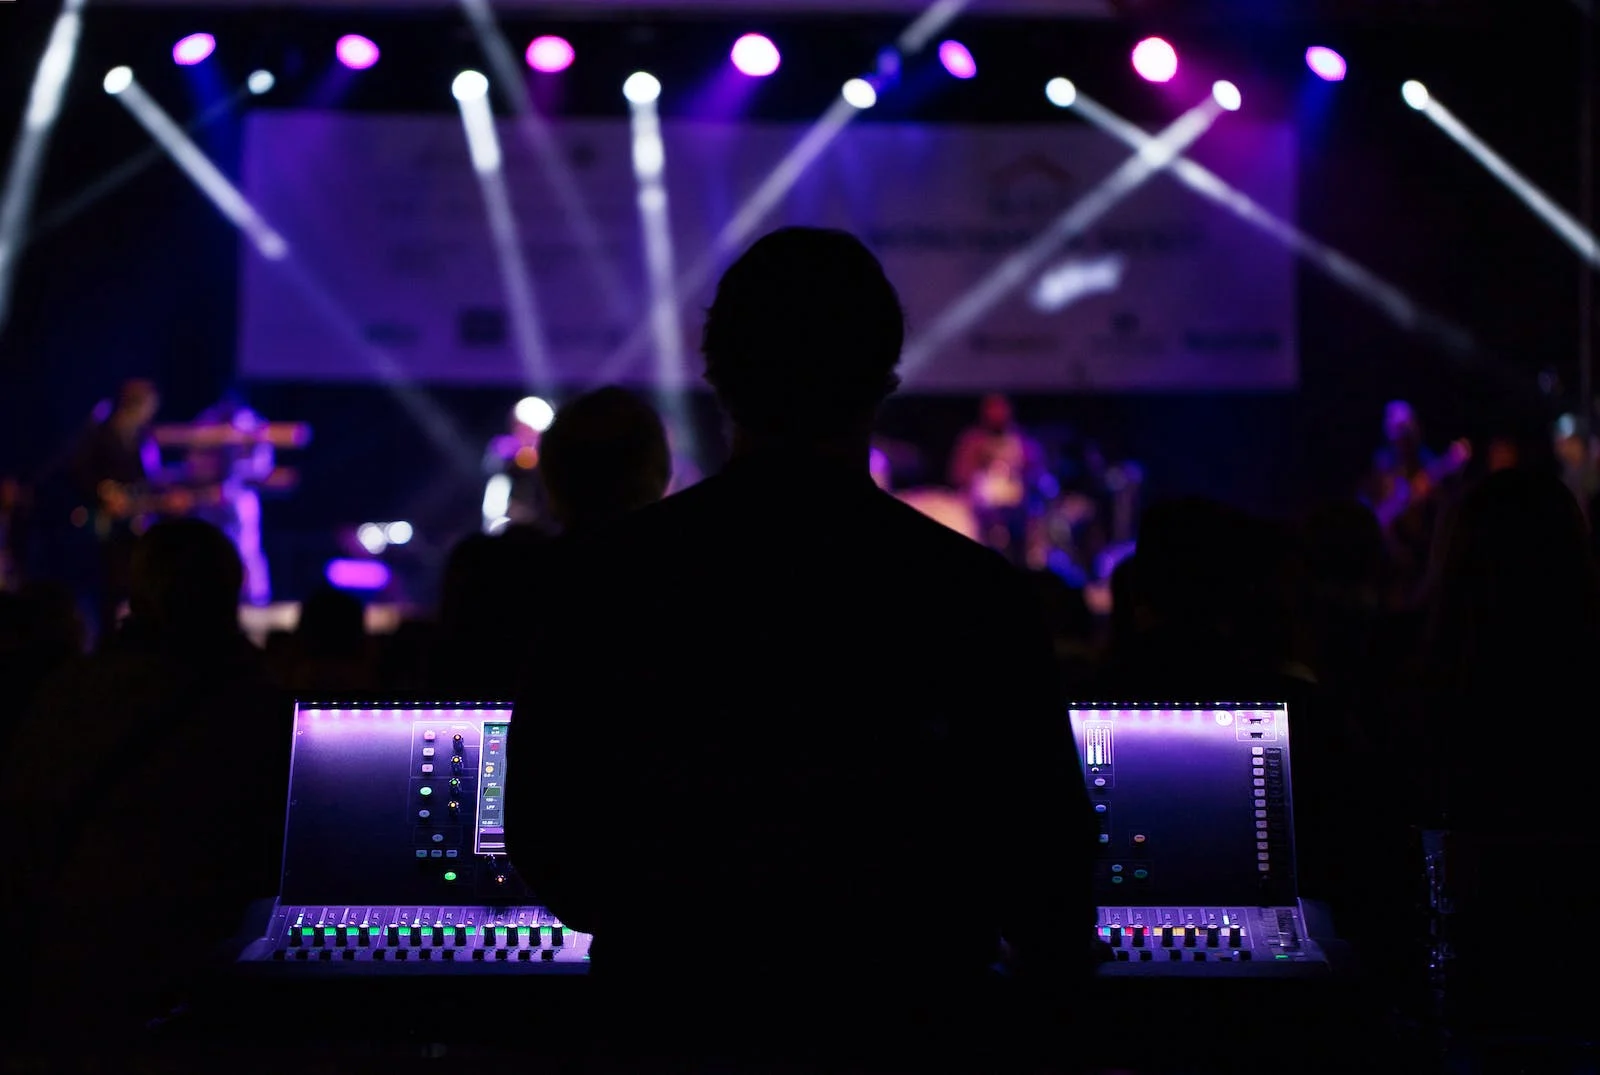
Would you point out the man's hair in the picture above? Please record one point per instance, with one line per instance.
(186, 579)
(804, 334)
(604, 455)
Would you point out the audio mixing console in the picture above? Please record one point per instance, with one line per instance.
(394, 850)
(1196, 868)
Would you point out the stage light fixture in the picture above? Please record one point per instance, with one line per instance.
(118, 79)
(1155, 60)
(957, 60)
(469, 86)
(858, 93)
(1227, 95)
(356, 52)
(1325, 63)
(550, 54)
(399, 533)
(1415, 94)
(1061, 92)
(755, 55)
(260, 82)
(193, 49)
(641, 88)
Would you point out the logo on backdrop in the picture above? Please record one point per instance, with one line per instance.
(1033, 187)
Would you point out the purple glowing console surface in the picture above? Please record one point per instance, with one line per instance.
(1196, 864)
(398, 803)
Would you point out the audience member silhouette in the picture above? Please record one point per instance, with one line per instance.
(1511, 721)
(788, 729)
(490, 599)
(605, 455)
(330, 652)
(168, 819)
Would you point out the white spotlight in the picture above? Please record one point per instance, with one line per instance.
(641, 88)
(469, 86)
(118, 79)
(398, 533)
(858, 93)
(534, 413)
(1061, 92)
(372, 538)
(260, 82)
(1227, 95)
(1416, 94)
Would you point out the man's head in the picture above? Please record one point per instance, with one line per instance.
(995, 413)
(802, 340)
(137, 403)
(185, 581)
(1400, 425)
(604, 456)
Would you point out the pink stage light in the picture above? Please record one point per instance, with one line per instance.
(193, 49)
(1325, 63)
(957, 60)
(550, 54)
(356, 52)
(364, 575)
(1155, 60)
(755, 55)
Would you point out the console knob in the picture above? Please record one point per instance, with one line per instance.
(1115, 937)
(1213, 936)
(455, 763)
(392, 934)
(416, 936)
(1235, 936)
(461, 935)
(458, 745)
(438, 934)
(1166, 936)
(1138, 936)
(1190, 935)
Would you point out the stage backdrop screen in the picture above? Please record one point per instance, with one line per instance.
(394, 270)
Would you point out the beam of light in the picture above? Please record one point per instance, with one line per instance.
(1326, 64)
(649, 173)
(119, 175)
(641, 88)
(1060, 92)
(1360, 280)
(1025, 265)
(204, 174)
(769, 194)
(423, 409)
(472, 93)
(27, 157)
(1573, 233)
(1227, 95)
(535, 131)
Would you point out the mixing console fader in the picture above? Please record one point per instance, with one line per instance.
(395, 849)
(1208, 941)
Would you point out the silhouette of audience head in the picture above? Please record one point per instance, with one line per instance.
(802, 340)
(1518, 583)
(185, 582)
(1346, 557)
(605, 455)
(332, 624)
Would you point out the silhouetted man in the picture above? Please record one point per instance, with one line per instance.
(605, 455)
(765, 829)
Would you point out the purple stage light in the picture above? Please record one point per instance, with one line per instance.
(364, 575)
(193, 49)
(1155, 60)
(755, 55)
(356, 52)
(1325, 63)
(550, 54)
(957, 60)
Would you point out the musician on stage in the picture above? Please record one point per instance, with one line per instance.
(515, 493)
(1405, 484)
(115, 466)
(999, 468)
(235, 467)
